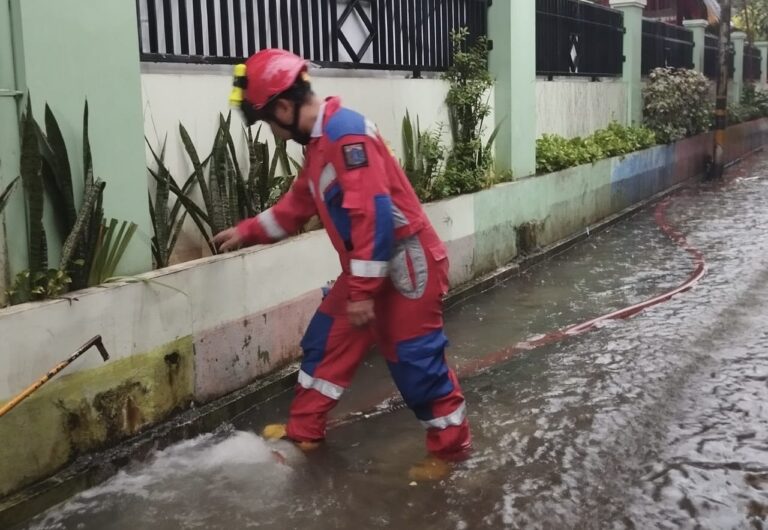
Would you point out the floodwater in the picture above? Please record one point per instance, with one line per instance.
(658, 421)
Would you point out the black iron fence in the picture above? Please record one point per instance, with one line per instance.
(665, 45)
(752, 63)
(378, 34)
(575, 38)
(712, 56)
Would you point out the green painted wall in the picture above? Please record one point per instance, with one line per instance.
(66, 52)
(9, 138)
(542, 209)
(698, 28)
(633, 53)
(513, 65)
(763, 47)
(739, 41)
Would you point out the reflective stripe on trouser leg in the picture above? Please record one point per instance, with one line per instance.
(449, 438)
(326, 388)
(432, 391)
(453, 419)
(333, 349)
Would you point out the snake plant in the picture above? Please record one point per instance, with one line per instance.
(230, 193)
(91, 249)
(167, 221)
(6, 193)
(32, 180)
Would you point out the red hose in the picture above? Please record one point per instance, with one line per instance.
(483, 363)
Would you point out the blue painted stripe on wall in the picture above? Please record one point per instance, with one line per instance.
(643, 162)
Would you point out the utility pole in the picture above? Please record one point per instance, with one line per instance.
(721, 103)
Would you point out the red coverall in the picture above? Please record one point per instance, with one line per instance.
(390, 253)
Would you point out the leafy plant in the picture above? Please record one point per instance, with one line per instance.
(554, 153)
(424, 156)
(737, 113)
(94, 216)
(751, 15)
(616, 139)
(230, 194)
(225, 179)
(753, 105)
(265, 186)
(56, 172)
(676, 103)
(78, 228)
(754, 97)
(110, 248)
(167, 221)
(77, 238)
(6, 193)
(470, 160)
(32, 180)
(224, 196)
(31, 286)
(46, 172)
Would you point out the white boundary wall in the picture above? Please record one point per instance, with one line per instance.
(196, 94)
(578, 107)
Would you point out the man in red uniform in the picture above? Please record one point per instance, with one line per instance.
(394, 266)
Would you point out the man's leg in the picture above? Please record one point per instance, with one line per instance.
(411, 329)
(432, 391)
(333, 349)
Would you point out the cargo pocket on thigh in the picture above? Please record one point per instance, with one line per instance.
(408, 268)
(442, 265)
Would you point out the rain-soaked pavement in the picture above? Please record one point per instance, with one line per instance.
(659, 421)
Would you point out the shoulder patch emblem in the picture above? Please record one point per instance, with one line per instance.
(355, 155)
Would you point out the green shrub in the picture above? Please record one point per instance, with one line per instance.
(48, 182)
(737, 113)
(470, 159)
(30, 286)
(230, 193)
(616, 139)
(677, 104)
(753, 105)
(466, 167)
(424, 156)
(554, 152)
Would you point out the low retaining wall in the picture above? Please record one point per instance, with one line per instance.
(199, 330)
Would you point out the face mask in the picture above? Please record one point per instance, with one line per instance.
(301, 138)
(298, 136)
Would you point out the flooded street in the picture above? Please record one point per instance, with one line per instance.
(658, 421)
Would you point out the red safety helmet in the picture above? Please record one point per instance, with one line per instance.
(270, 73)
(267, 75)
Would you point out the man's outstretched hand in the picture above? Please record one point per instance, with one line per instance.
(229, 239)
